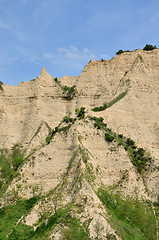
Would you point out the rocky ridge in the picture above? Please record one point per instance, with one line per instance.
(81, 136)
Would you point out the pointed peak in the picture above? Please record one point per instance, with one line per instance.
(43, 72)
(44, 75)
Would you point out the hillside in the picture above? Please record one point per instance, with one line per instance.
(80, 155)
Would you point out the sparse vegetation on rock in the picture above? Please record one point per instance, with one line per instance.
(121, 51)
(10, 161)
(68, 92)
(1, 85)
(111, 103)
(124, 213)
(149, 47)
(138, 156)
(82, 176)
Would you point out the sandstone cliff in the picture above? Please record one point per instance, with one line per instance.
(81, 136)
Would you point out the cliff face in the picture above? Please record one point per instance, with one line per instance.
(81, 136)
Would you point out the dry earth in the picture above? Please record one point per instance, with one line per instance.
(40, 103)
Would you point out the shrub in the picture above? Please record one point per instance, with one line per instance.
(120, 135)
(98, 122)
(48, 139)
(70, 92)
(65, 88)
(67, 119)
(17, 156)
(55, 79)
(130, 142)
(119, 52)
(1, 83)
(149, 47)
(101, 108)
(80, 112)
(109, 137)
(30, 202)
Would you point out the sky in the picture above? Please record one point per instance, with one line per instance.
(64, 35)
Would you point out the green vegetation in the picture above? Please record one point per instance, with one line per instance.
(48, 139)
(109, 137)
(37, 131)
(118, 98)
(9, 216)
(101, 108)
(68, 119)
(75, 153)
(80, 113)
(1, 83)
(138, 156)
(10, 161)
(111, 103)
(75, 230)
(131, 219)
(52, 133)
(140, 57)
(121, 51)
(156, 209)
(149, 47)
(57, 81)
(69, 92)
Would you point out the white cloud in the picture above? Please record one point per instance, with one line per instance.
(48, 56)
(74, 53)
(69, 60)
(71, 57)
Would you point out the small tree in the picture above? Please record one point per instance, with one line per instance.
(119, 52)
(80, 113)
(1, 83)
(149, 47)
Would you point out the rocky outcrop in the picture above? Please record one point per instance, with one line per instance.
(68, 156)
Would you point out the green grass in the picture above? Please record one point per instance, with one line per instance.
(10, 161)
(9, 216)
(156, 208)
(111, 103)
(118, 98)
(74, 230)
(101, 108)
(131, 219)
(37, 131)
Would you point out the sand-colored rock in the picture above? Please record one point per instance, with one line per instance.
(29, 110)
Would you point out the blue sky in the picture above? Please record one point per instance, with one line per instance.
(63, 35)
